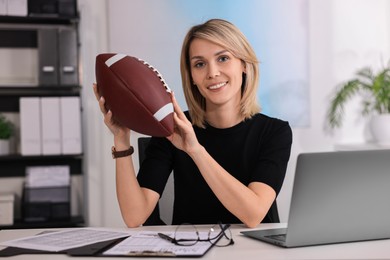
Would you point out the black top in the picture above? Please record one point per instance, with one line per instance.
(257, 149)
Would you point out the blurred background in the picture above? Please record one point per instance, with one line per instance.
(305, 47)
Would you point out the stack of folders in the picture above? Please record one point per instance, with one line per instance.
(50, 125)
(46, 193)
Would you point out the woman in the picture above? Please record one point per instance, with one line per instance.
(228, 160)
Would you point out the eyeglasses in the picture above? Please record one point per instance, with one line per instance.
(188, 235)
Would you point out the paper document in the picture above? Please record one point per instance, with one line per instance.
(148, 243)
(47, 176)
(63, 240)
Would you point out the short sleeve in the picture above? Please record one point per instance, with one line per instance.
(274, 155)
(157, 165)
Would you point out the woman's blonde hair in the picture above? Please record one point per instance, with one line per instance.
(228, 36)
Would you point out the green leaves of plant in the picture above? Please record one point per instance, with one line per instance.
(6, 128)
(374, 88)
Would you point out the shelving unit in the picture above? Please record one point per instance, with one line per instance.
(38, 20)
(15, 165)
(77, 221)
(9, 96)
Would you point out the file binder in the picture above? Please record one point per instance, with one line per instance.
(71, 125)
(47, 52)
(3, 7)
(17, 7)
(30, 126)
(88, 251)
(68, 56)
(51, 125)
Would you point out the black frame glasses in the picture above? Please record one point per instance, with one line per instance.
(219, 235)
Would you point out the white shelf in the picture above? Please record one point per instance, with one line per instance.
(360, 146)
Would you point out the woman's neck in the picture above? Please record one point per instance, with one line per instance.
(223, 117)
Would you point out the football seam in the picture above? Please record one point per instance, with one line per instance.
(159, 75)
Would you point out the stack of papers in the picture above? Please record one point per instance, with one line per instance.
(148, 243)
(141, 243)
(47, 176)
(63, 240)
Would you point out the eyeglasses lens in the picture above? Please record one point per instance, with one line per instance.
(220, 235)
(186, 235)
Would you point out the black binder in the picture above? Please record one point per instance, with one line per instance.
(48, 61)
(68, 57)
(90, 250)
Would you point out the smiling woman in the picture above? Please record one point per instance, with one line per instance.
(212, 183)
(219, 55)
(218, 75)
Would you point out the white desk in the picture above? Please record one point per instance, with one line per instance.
(244, 247)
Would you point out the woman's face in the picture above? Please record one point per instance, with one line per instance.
(216, 73)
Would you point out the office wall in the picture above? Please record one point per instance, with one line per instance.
(93, 38)
(278, 34)
(344, 35)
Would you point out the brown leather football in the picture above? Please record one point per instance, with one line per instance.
(136, 94)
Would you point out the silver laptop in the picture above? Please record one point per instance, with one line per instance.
(337, 197)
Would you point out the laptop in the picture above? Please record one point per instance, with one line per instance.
(337, 197)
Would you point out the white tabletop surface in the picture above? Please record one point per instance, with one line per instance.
(244, 247)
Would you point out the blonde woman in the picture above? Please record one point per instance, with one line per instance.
(228, 159)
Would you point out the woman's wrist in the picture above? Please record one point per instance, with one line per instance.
(196, 152)
(122, 142)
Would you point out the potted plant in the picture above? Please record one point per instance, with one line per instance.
(6, 132)
(375, 91)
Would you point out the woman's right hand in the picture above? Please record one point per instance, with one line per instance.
(118, 130)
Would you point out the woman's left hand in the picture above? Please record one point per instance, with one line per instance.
(183, 136)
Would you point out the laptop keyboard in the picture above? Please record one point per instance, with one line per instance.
(281, 237)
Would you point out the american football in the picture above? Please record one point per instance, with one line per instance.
(136, 93)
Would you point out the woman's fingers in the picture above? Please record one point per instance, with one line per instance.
(180, 124)
(95, 91)
(100, 99)
(108, 118)
(176, 107)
